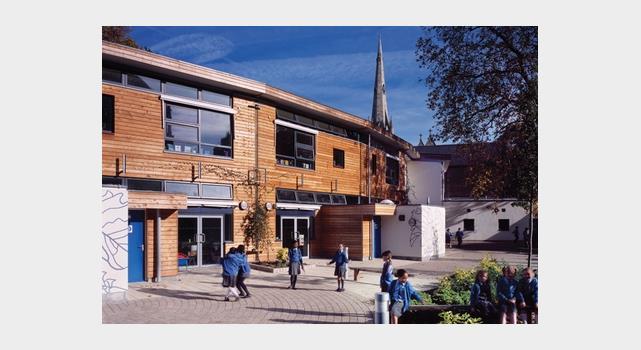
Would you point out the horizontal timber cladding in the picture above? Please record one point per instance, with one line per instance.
(331, 230)
(156, 200)
(379, 187)
(168, 242)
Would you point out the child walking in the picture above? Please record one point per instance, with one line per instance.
(341, 260)
(401, 291)
(295, 264)
(528, 296)
(243, 272)
(481, 296)
(230, 273)
(386, 273)
(448, 238)
(506, 291)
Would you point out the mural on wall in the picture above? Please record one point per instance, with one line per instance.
(434, 226)
(415, 226)
(114, 237)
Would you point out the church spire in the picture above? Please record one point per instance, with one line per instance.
(380, 116)
(420, 142)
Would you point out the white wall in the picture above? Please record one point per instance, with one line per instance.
(424, 180)
(486, 221)
(114, 237)
(420, 236)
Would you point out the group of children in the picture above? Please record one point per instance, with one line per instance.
(400, 289)
(514, 297)
(235, 270)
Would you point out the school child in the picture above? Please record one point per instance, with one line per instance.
(506, 291)
(448, 238)
(528, 296)
(387, 272)
(295, 264)
(243, 272)
(341, 260)
(230, 273)
(459, 237)
(401, 291)
(481, 296)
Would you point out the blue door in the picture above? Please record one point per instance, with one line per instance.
(135, 245)
(377, 237)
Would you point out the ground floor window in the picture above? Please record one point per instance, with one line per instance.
(504, 224)
(468, 225)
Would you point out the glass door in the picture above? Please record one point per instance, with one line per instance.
(188, 238)
(293, 229)
(302, 228)
(287, 227)
(211, 240)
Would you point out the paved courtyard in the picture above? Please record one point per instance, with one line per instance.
(197, 296)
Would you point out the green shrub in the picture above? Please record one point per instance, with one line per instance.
(281, 256)
(446, 295)
(427, 299)
(448, 317)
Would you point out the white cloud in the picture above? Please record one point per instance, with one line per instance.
(198, 48)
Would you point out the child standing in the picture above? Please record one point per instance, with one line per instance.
(481, 296)
(448, 238)
(230, 272)
(295, 264)
(340, 258)
(459, 237)
(243, 272)
(401, 291)
(506, 291)
(528, 296)
(386, 273)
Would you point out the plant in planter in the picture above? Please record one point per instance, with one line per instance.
(281, 257)
(449, 317)
(256, 227)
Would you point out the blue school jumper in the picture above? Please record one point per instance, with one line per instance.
(295, 255)
(506, 289)
(398, 291)
(231, 263)
(244, 268)
(528, 291)
(339, 258)
(386, 275)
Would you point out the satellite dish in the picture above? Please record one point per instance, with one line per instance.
(386, 201)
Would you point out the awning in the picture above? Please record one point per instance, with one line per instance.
(215, 203)
(297, 206)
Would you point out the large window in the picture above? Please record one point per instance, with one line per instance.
(339, 158)
(198, 131)
(143, 82)
(294, 148)
(108, 113)
(391, 171)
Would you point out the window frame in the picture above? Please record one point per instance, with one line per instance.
(296, 160)
(113, 113)
(342, 158)
(394, 181)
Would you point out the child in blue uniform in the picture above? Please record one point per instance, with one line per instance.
(387, 272)
(401, 291)
(243, 272)
(481, 296)
(231, 264)
(528, 296)
(340, 258)
(506, 291)
(295, 264)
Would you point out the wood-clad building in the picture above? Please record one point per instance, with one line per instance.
(191, 144)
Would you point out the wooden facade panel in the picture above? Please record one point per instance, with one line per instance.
(156, 200)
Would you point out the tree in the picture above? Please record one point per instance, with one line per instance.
(483, 88)
(256, 225)
(120, 35)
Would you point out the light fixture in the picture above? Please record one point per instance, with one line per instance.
(242, 205)
(269, 206)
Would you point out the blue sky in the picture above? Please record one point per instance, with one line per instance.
(332, 65)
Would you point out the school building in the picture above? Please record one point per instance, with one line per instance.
(186, 149)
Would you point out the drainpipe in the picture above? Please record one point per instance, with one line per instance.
(157, 240)
(369, 165)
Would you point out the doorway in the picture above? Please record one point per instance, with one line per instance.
(135, 246)
(293, 228)
(200, 238)
(376, 239)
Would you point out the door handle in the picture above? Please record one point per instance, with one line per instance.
(142, 247)
(202, 238)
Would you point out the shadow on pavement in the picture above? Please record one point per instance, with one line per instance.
(182, 294)
(306, 312)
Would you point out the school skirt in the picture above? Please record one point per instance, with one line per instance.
(294, 268)
(229, 281)
(340, 271)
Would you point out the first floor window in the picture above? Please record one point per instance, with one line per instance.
(294, 148)
(339, 158)
(108, 113)
(391, 171)
(197, 131)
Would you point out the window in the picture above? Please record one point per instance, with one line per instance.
(374, 164)
(197, 131)
(294, 148)
(286, 195)
(108, 113)
(339, 158)
(229, 228)
(286, 115)
(216, 191)
(189, 189)
(316, 124)
(306, 197)
(143, 82)
(504, 224)
(323, 198)
(111, 75)
(468, 224)
(391, 171)
(352, 199)
(215, 97)
(144, 185)
(111, 180)
(338, 199)
(181, 90)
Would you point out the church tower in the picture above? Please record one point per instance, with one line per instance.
(380, 116)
